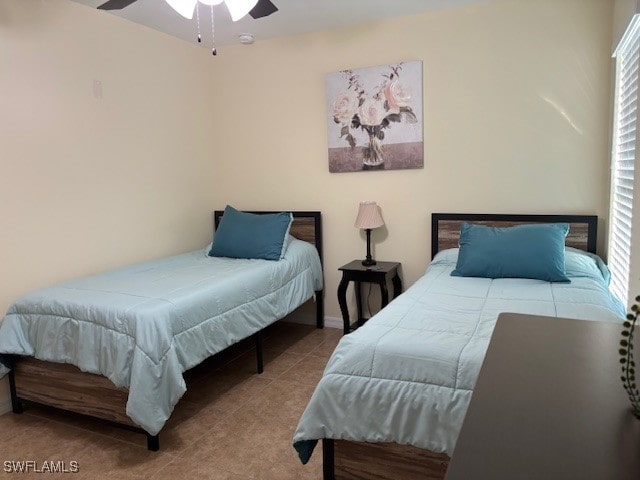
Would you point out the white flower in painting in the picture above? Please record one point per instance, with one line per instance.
(345, 107)
(397, 95)
(371, 112)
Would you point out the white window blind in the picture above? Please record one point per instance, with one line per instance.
(623, 158)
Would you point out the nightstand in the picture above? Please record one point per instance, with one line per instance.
(356, 272)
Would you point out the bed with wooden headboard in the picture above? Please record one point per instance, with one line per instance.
(445, 227)
(66, 387)
(345, 459)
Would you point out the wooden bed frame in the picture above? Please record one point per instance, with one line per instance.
(344, 459)
(445, 227)
(66, 387)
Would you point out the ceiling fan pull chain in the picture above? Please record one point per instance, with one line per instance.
(198, 21)
(213, 38)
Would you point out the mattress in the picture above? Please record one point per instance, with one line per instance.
(142, 326)
(407, 375)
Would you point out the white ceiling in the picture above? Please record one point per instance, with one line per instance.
(293, 17)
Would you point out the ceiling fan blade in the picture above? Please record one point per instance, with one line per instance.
(262, 9)
(184, 7)
(115, 4)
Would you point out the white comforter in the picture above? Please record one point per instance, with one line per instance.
(407, 375)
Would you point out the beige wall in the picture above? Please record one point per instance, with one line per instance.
(516, 101)
(86, 183)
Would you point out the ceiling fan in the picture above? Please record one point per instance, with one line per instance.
(237, 8)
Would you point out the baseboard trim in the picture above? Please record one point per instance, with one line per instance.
(306, 315)
(333, 322)
(329, 322)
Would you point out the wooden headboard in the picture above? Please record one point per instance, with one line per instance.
(445, 227)
(306, 226)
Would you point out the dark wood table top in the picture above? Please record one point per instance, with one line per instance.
(382, 267)
(549, 404)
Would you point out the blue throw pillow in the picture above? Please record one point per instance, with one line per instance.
(524, 251)
(248, 235)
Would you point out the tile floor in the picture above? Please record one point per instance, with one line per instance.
(232, 424)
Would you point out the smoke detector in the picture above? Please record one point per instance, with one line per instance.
(246, 38)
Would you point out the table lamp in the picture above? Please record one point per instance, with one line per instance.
(368, 218)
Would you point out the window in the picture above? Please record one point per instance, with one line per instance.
(623, 158)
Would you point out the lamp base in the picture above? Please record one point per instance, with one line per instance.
(368, 261)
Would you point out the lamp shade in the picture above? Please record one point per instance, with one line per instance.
(368, 216)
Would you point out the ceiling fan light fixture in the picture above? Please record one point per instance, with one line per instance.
(239, 8)
(246, 38)
(183, 7)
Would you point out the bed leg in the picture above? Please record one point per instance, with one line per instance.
(328, 471)
(320, 308)
(259, 352)
(153, 443)
(16, 403)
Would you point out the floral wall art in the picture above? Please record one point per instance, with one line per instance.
(375, 118)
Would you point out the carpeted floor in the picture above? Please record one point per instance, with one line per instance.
(232, 424)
